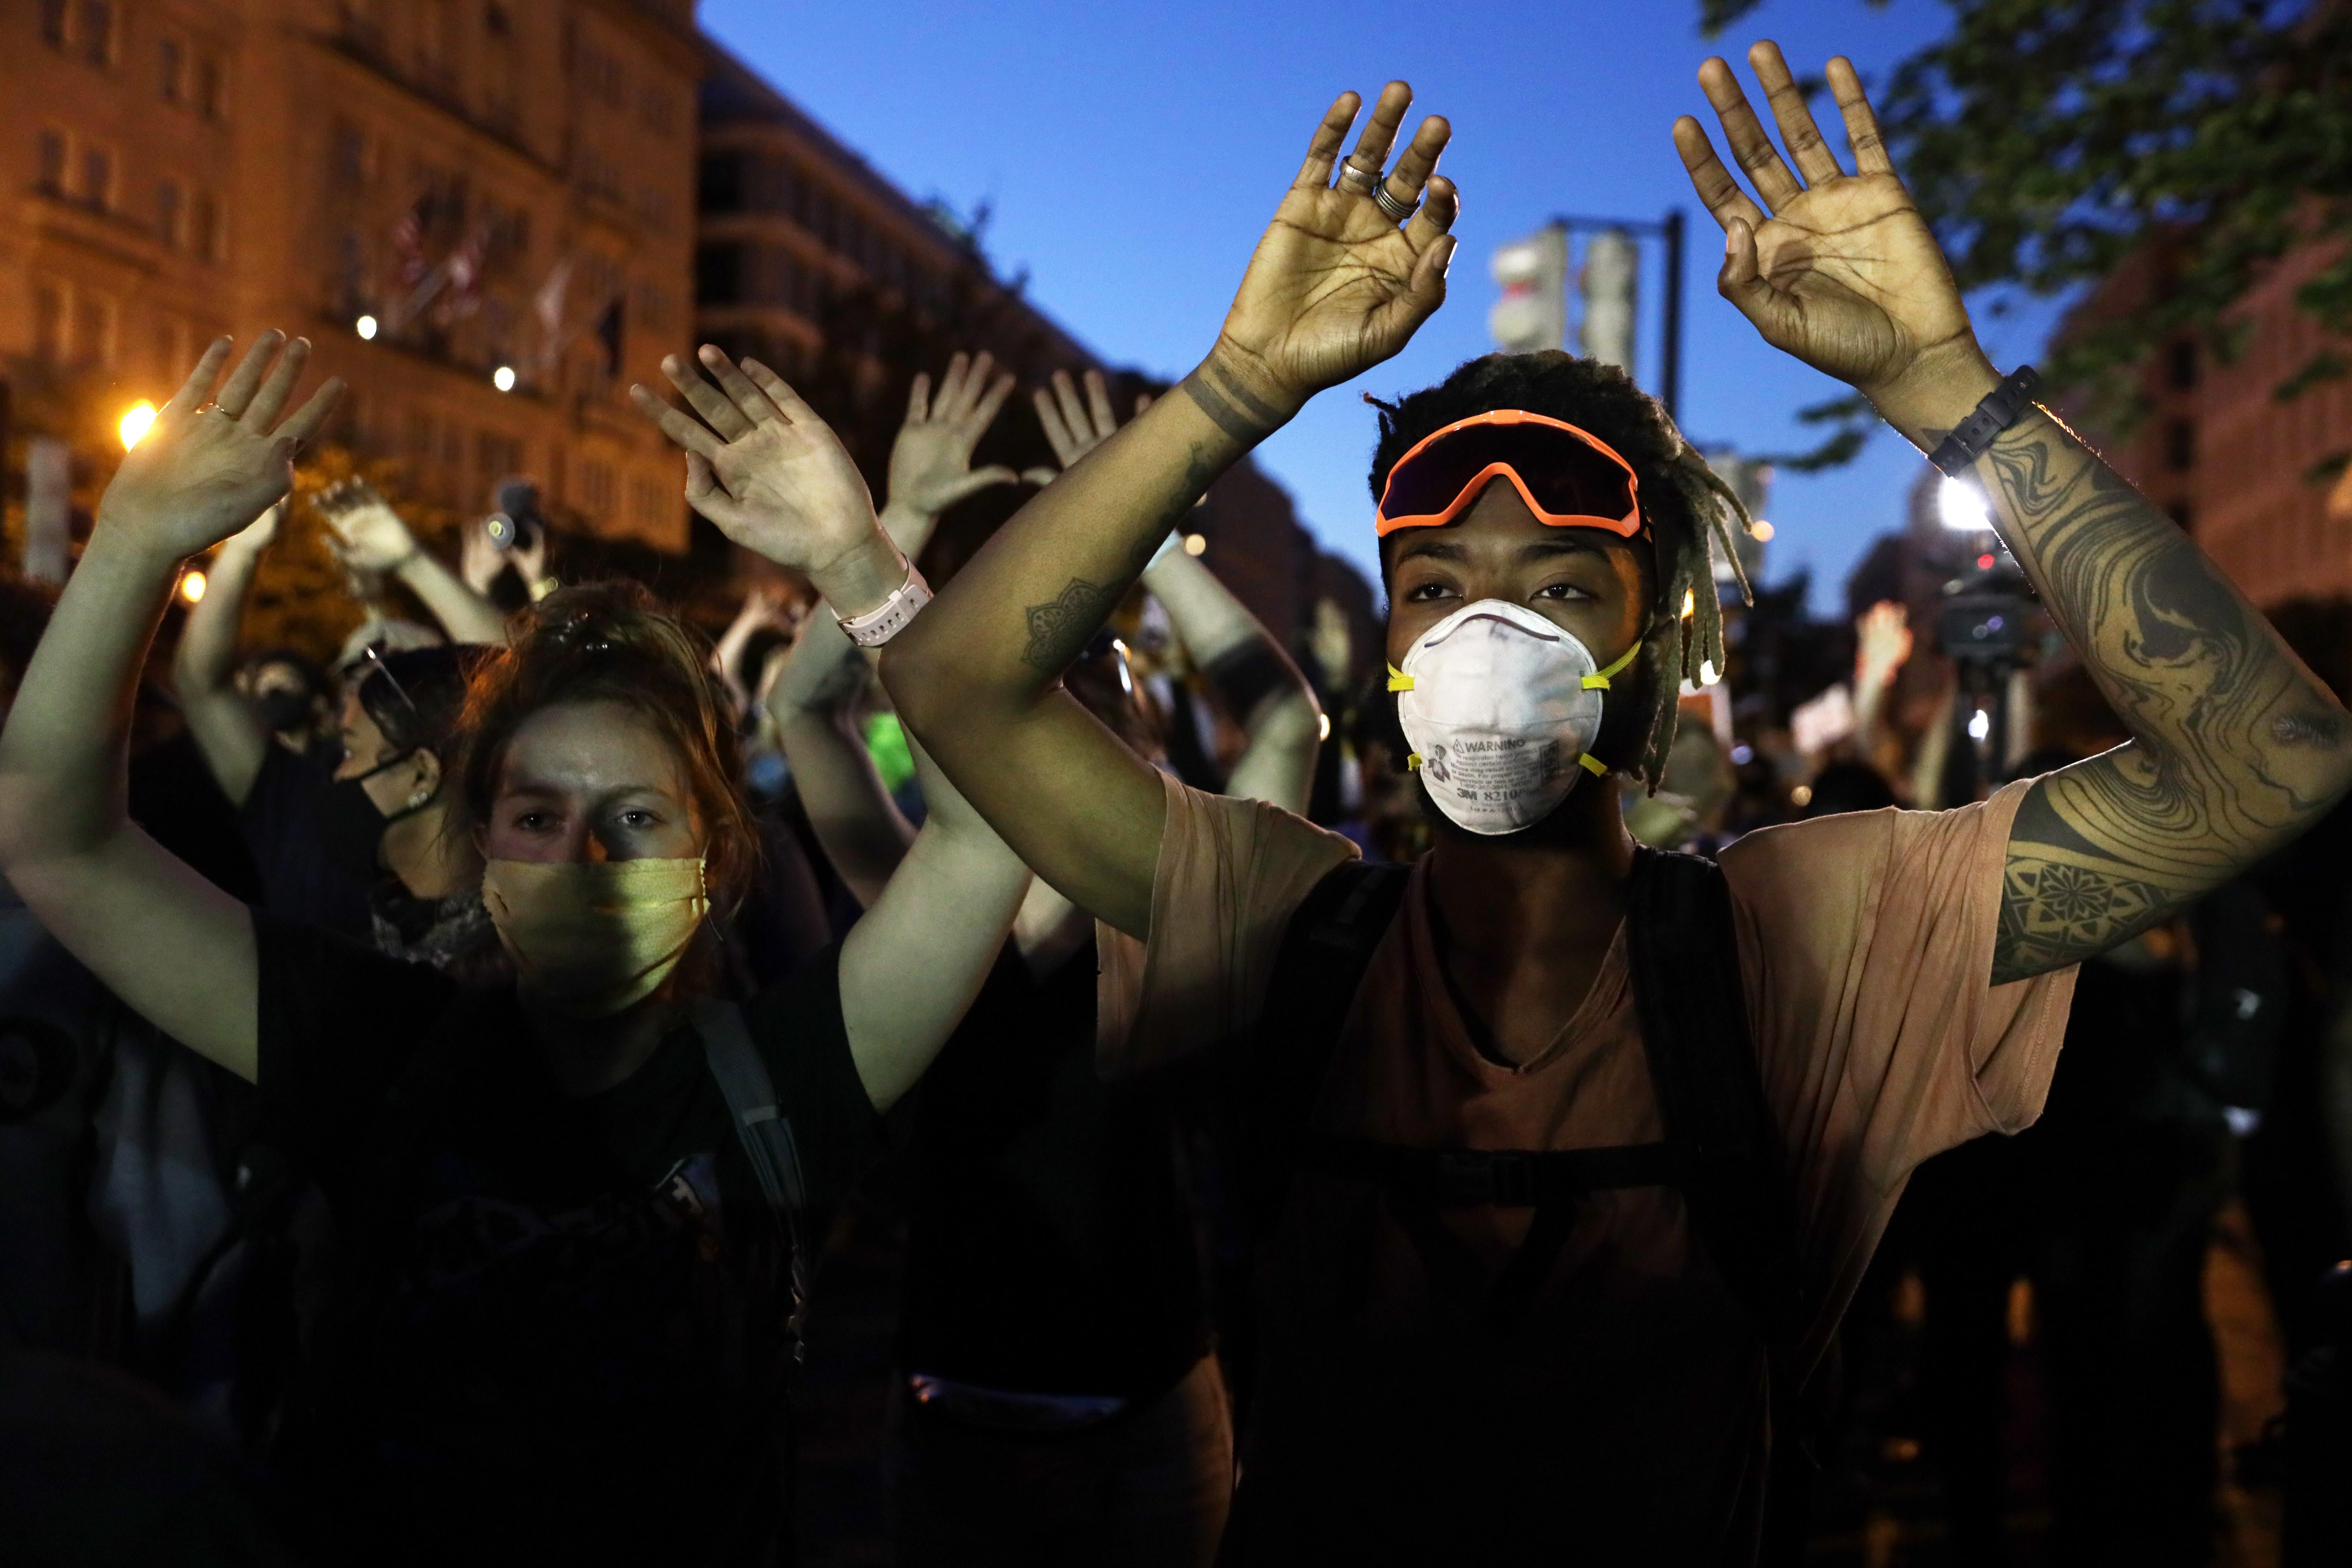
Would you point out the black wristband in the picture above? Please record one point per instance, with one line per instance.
(1959, 451)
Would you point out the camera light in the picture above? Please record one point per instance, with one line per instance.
(503, 378)
(365, 328)
(1961, 508)
(1980, 724)
(192, 585)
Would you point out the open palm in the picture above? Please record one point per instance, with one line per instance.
(205, 470)
(1836, 268)
(765, 467)
(1335, 286)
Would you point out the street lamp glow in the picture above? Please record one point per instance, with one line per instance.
(1980, 724)
(1196, 543)
(1762, 533)
(503, 378)
(136, 419)
(1961, 508)
(365, 328)
(192, 585)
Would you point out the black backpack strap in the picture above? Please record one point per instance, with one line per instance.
(1683, 947)
(1325, 950)
(762, 1128)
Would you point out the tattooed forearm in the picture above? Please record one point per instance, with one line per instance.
(2235, 750)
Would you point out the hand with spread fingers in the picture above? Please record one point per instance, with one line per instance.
(1837, 269)
(212, 463)
(931, 462)
(1074, 428)
(775, 479)
(1347, 270)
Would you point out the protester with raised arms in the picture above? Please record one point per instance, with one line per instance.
(567, 1207)
(1570, 1155)
(1063, 1403)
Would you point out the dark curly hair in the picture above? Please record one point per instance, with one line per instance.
(612, 642)
(1689, 510)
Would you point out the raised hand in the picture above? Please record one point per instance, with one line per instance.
(1338, 284)
(210, 464)
(1837, 269)
(260, 533)
(479, 558)
(369, 535)
(1881, 636)
(1074, 428)
(931, 462)
(775, 477)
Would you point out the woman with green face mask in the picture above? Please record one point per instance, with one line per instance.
(566, 1205)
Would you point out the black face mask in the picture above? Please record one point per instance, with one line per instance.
(285, 709)
(350, 826)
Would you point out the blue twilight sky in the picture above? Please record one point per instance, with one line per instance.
(1131, 155)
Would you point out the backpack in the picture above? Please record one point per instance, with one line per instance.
(1721, 1148)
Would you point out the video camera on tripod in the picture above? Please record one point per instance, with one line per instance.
(1988, 609)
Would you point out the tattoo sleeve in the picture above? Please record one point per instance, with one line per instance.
(2236, 747)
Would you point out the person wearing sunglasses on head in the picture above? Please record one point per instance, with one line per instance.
(1566, 1156)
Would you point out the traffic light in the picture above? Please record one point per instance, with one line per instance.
(1532, 315)
(1611, 264)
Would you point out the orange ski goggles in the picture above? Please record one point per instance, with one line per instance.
(1569, 477)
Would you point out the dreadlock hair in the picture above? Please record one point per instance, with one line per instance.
(1689, 510)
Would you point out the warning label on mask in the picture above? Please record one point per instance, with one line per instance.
(1492, 771)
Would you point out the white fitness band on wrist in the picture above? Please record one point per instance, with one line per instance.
(888, 618)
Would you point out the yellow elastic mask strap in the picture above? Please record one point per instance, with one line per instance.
(1399, 680)
(1591, 765)
(1599, 681)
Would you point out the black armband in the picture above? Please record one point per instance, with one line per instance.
(1959, 451)
(1242, 677)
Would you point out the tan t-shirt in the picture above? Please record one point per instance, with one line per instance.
(1624, 1418)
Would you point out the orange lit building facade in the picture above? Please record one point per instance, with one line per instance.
(481, 213)
(2250, 476)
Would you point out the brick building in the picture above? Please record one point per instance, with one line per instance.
(2247, 474)
(812, 261)
(481, 213)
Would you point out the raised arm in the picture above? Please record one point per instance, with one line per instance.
(2236, 747)
(857, 824)
(1254, 678)
(228, 731)
(375, 538)
(1335, 286)
(174, 947)
(767, 471)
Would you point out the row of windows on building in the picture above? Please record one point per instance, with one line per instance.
(189, 76)
(441, 43)
(437, 449)
(734, 181)
(87, 173)
(75, 327)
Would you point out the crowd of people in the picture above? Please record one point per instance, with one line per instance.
(429, 1082)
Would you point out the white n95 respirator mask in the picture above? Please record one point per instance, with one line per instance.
(1500, 707)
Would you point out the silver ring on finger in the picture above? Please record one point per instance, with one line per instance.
(1399, 212)
(1354, 176)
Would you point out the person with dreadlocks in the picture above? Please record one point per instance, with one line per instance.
(1565, 1156)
